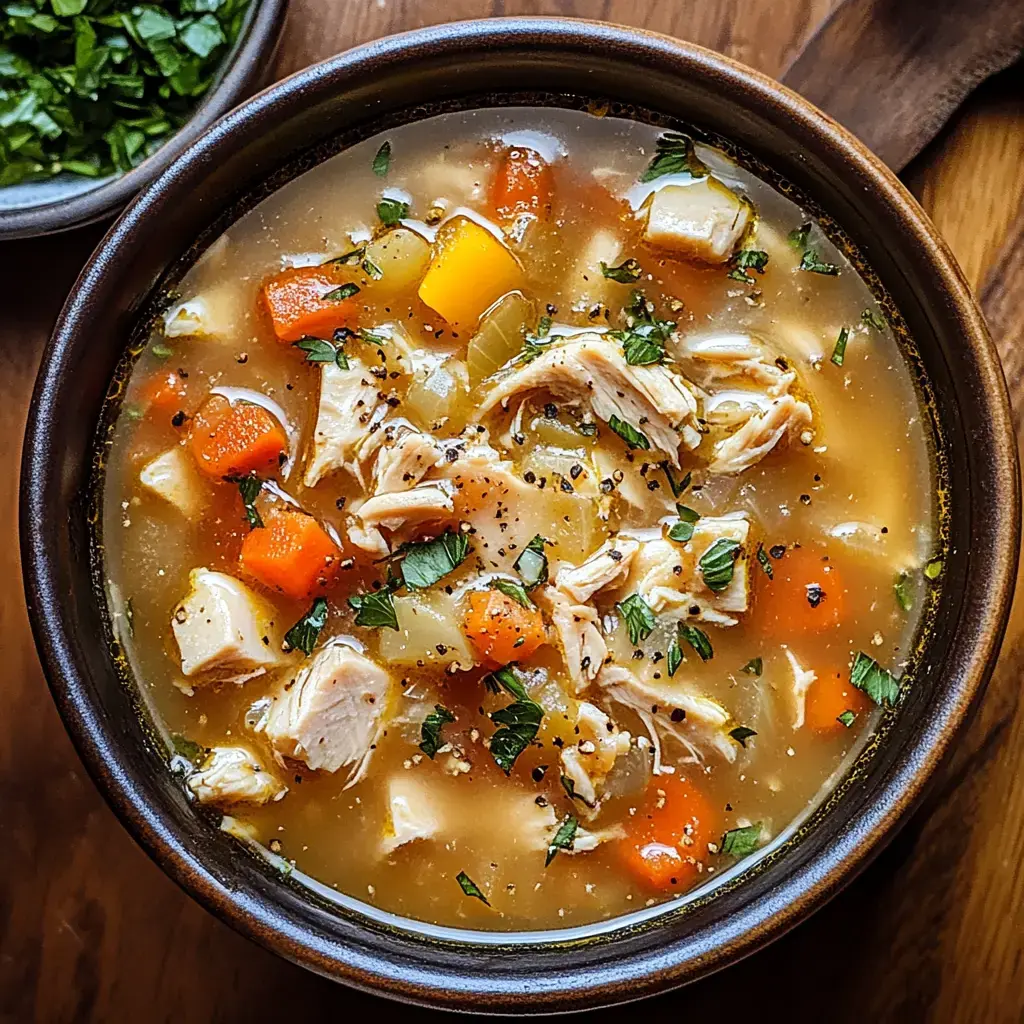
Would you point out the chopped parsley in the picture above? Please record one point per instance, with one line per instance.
(901, 588)
(346, 291)
(188, 749)
(520, 720)
(847, 718)
(674, 154)
(382, 160)
(933, 570)
(570, 787)
(717, 564)
(639, 618)
(629, 434)
(674, 656)
(510, 588)
(678, 487)
(318, 350)
(563, 838)
(741, 842)
(626, 272)
(813, 264)
(643, 342)
(797, 238)
(249, 487)
(839, 351)
(430, 730)
(873, 319)
(682, 531)
(161, 351)
(754, 667)
(392, 211)
(741, 734)
(748, 259)
(532, 564)
(428, 561)
(698, 640)
(375, 608)
(129, 616)
(470, 888)
(762, 560)
(305, 633)
(358, 258)
(877, 682)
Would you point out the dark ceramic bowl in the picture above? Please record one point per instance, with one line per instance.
(292, 126)
(71, 201)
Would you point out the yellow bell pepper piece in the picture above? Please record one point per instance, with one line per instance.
(469, 271)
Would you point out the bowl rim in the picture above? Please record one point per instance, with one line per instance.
(244, 67)
(468, 987)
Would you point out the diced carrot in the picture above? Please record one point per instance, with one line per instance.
(163, 394)
(295, 302)
(469, 271)
(667, 847)
(291, 553)
(232, 440)
(522, 185)
(829, 696)
(501, 629)
(806, 594)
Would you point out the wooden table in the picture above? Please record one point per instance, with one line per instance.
(933, 931)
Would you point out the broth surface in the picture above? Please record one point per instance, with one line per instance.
(839, 510)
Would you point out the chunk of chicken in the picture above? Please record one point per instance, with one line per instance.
(592, 368)
(233, 775)
(802, 680)
(331, 714)
(414, 813)
(425, 503)
(667, 575)
(225, 631)
(217, 314)
(585, 285)
(731, 360)
(348, 402)
(173, 476)
(786, 419)
(588, 762)
(702, 220)
(579, 635)
(368, 539)
(609, 563)
(404, 463)
(702, 726)
(586, 841)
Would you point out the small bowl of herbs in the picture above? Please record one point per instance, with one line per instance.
(97, 97)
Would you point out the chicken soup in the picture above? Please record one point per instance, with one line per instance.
(519, 519)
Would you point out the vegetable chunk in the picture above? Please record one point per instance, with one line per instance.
(470, 270)
(703, 220)
(233, 775)
(501, 629)
(292, 554)
(309, 301)
(523, 185)
(173, 477)
(232, 440)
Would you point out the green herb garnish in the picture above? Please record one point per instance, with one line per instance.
(375, 608)
(763, 561)
(392, 211)
(740, 842)
(249, 487)
(698, 640)
(428, 561)
(510, 588)
(532, 564)
(627, 272)
(678, 487)
(563, 838)
(754, 667)
(741, 734)
(318, 350)
(847, 718)
(629, 434)
(570, 787)
(748, 259)
(430, 730)
(682, 531)
(814, 265)
(129, 616)
(797, 238)
(643, 343)
(470, 888)
(674, 656)
(839, 352)
(878, 683)
(933, 570)
(718, 563)
(901, 588)
(520, 719)
(674, 154)
(639, 618)
(305, 633)
(346, 291)
(188, 749)
(873, 319)
(161, 351)
(382, 161)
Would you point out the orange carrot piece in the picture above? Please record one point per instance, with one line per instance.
(828, 697)
(501, 629)
(806, 595)
(291, 553)
(523, 185)
(164, 394)
(295, 302)
(667, 847)
(232, 440)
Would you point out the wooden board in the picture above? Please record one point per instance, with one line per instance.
(91, 930)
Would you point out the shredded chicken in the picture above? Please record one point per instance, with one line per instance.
(786, 419)
(579, 634)
(721, 360)
(592, 368)
(404, 463)
(425, 503)
(331, 714)
(802, 680)
(588, 762)
(609, 563)
(232, 775)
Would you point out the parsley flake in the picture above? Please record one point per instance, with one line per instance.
(813, 264)
(878, 683)
(426, 562)
(741, 734)
(318, 350)
(741, 842)
(762, 560)
(698, 640)
(392, 211)
(520, 720)
(563, 838)
(847, 718)
(674, 154)
(718, 563)
(375, 608)
(470, 888)
(514, 590)
(382, 160)
(839, 351)
(532, 564)
(627, 272)
(249, 487)
(754, 667)
(305, 633)
(639, 618)
(629, 434)
(430, 730)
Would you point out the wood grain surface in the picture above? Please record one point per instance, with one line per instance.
(933, 931)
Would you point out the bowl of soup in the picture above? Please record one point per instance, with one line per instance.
(522, 537)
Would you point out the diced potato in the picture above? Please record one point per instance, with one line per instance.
(500, 336)
(586, 286)
(429, 632)
(414, 812)
(703, 220)
(469, 271)
(173, 477)
(438, 396)
(402, 257)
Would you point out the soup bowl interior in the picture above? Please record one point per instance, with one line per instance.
(294, 126)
